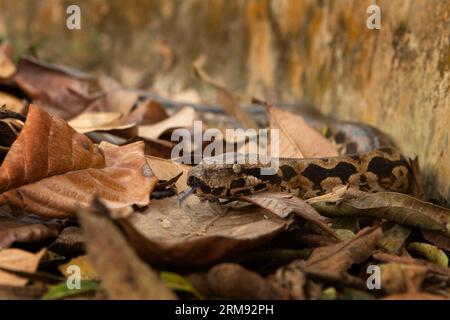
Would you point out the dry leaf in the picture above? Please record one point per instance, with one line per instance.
(137, 106)
(401, 278)
(396, 207)
(126, 180)
(394, 239)
(123, 274)
(98, 121)
(226, 99)
(415, 296)
(440, 239)
(11, 102)
(20, 293)
(182, 119)
(283, 204)
(18, 260)
(7, 67)
(25, 229)
(336, 259)
(432, 267)
(86, 270)
(232, 281)
(165, 170)
(61, 91)
(297, 138)
(46, 146)
(193, 235)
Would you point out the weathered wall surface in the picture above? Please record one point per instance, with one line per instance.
(396, 78)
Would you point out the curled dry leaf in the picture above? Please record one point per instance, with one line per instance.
(123, 274)
(297, 138)
(59, 90)
(126, 180)
(334, 260)
(26, 229)
(283, 204)
(136, 106)
(193, 235)
(18, 260)
(46, 146)
(392, 206)
(166, 170)
(232, 281)
(182, 119)
(99, 121)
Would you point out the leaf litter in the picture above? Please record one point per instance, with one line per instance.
(86, 178)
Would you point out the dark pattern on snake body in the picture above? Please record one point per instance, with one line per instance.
(382, 169)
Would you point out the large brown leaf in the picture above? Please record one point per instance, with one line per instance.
(123, 274)
(193, 234)
(46, 146)
(297, 138)
(60, 90)
(126, 179)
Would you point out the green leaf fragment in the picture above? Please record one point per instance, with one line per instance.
(179, 283)
(431, 252)
(61, 290)
(329, 293)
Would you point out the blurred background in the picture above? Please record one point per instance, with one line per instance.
(315, 51)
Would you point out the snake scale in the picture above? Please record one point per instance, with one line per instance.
(367, 162)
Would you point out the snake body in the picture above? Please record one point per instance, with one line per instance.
(368, 162)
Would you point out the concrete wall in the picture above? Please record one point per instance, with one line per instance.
(396, 78)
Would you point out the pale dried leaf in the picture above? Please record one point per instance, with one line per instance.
(18, 260)
(166, 170)
(297, 138)
(182, 119)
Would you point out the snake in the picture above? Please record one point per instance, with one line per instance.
(368, 161)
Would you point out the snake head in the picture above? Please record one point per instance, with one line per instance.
(212, 180)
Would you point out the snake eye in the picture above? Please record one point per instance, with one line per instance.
(236, 168)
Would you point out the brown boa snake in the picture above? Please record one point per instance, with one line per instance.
(366, 164)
